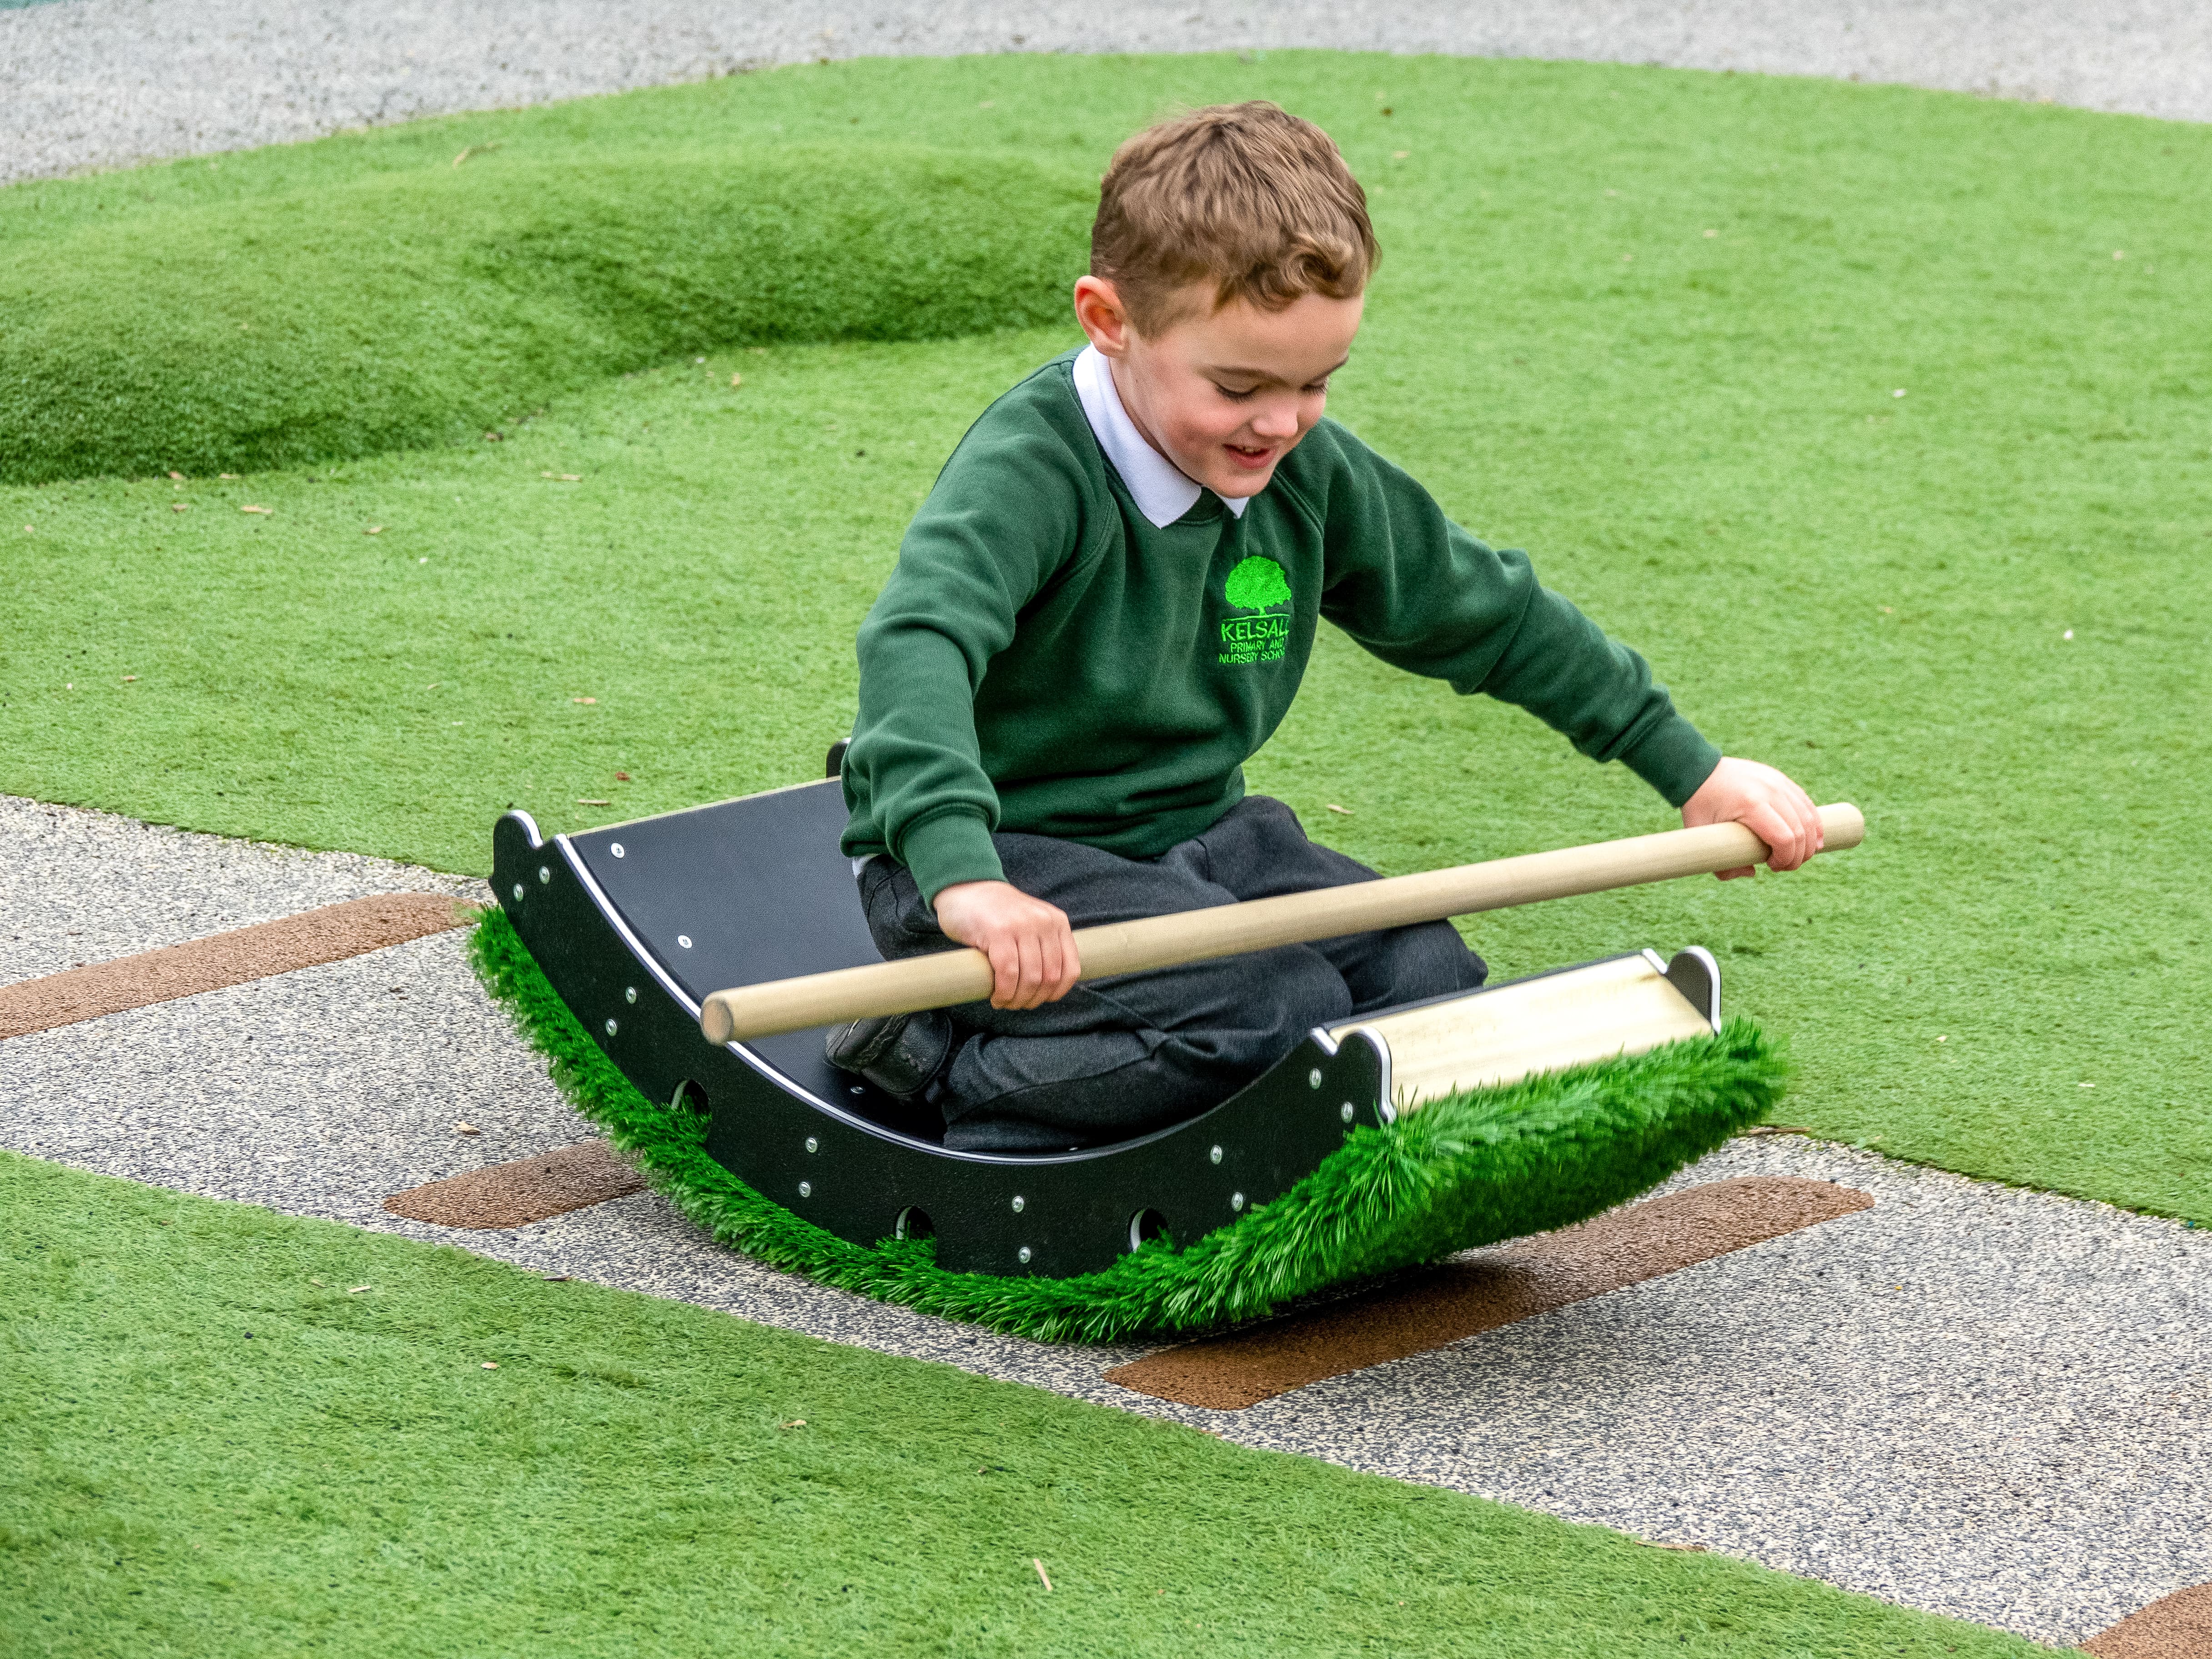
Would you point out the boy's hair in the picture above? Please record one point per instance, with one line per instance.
(1247, 196)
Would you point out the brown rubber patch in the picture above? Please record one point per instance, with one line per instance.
(2178, 1627)
(1483, 1292)
(307, 941)
(529, 1189)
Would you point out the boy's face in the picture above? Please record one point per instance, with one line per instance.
(1226, 394)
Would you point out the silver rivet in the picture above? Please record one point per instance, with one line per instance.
(1020, 1204)
(545, 874)
(807, 1189)
(517, 892)
(1022, 1255)
(859, 1089)
(616, 849)
(1344, 1111)
(610, 1028)
(1313, 1078)
(1236, 1200)
(629, 994)
(813, 1145)
(1215, 1155)
(684, 939)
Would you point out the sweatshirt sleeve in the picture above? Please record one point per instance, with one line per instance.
(1421, 593)
(1003, 515)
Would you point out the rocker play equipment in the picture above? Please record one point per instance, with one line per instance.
(1373, 1145)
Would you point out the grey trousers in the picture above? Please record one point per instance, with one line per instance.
(1122, 1057)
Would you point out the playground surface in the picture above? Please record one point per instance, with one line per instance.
(1972, 1385)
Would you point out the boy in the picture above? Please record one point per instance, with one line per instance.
(1104, 607)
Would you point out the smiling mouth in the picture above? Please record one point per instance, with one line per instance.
(1250, 457)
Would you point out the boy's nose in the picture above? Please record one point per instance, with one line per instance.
(1276, 422)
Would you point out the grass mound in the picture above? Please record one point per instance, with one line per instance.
(1488, 1164)
(413, 309)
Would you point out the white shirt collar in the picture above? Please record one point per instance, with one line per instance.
(1163, 493)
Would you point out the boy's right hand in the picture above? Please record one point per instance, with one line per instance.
(1030, 943)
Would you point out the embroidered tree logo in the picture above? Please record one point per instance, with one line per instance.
(1256, 584)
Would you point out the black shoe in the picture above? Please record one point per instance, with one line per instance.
(900, 1053)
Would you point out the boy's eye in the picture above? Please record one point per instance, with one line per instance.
(1239, 394)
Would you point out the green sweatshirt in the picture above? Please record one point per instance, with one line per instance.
(1045, 659)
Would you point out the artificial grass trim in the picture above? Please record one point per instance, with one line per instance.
(1468, 1170)
(416, 308)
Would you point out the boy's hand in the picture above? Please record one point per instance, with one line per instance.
(1031, 947)
(1764, 802)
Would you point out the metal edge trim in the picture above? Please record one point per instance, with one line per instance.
(1712, 973)
(704, 807)
(1385, 1108)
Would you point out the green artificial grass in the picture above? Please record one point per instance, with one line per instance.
(1467, 1170)
(1696, 435)
(409, 308)
(649, 1478)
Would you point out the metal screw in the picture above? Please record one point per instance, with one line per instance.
(629, 994)
(610, 1028)
(616, 849)
(858, 1089)
(545, 874)
(807, 1189)
(1236, 1200)
(517, 892)
(1344, 1111)
(1022, 1255)
(1020, 1204)
(1313, 1078)
(684, 939)
(1215, 1155)
(813, 1145)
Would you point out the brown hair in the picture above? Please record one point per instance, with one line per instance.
(1246, 195)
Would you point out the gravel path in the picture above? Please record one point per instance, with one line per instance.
(1971, 1399)
(89, 83)
(80, 887)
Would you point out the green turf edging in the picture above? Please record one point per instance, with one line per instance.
(413, 309)
(1488, 1164)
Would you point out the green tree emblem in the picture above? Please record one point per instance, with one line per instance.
(1256, 584)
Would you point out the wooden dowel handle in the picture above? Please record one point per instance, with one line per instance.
(946, 977)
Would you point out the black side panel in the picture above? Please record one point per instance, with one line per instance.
(758, 888)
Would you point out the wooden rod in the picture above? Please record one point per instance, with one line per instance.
(946, 977)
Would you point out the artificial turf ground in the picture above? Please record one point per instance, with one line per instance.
(1651, 325)
(217, 1445)
(1697, 436)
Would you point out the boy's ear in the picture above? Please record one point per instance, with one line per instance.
(1098, 309)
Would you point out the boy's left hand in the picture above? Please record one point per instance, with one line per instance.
(1764, 802)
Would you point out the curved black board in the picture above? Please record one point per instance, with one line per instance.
(635, 924)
